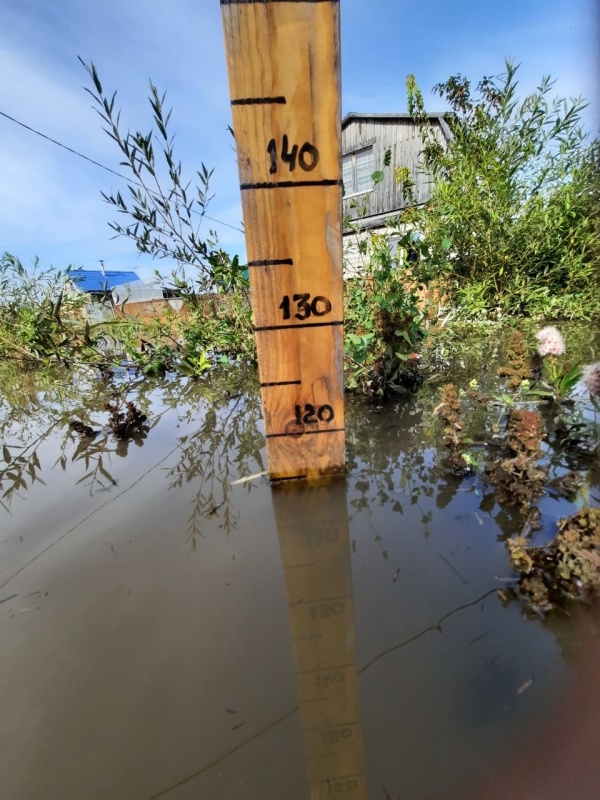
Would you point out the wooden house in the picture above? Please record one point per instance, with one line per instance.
(367, 206)
(365, 140)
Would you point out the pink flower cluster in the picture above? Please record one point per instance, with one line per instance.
(551, 341)
(591, 378)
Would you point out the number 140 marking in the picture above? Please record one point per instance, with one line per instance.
(306, 156)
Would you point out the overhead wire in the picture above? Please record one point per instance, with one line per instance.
(102, 166)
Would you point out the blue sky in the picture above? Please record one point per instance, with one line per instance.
(50, 203)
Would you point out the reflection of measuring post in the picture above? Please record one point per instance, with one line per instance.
(283, 63)
(312, 523)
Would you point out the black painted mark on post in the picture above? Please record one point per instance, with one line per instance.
(305, 308)
(305, 433)
(306, 156)
(271, 262)
(259, 101)
(324, 413)
(281, 383)
(345, 785)
(302, 325)
(289, 184)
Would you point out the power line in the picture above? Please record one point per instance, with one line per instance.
(64, 146)
(102, 166)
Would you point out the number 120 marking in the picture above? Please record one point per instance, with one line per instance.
(324, 413)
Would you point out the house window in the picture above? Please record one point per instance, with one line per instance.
(357, 169)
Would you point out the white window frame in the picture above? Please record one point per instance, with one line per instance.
(349, 160)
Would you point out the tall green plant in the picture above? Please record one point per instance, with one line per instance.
(165, 212)
(515, 196)
(37, 313)
(385, 315)
(384, 310)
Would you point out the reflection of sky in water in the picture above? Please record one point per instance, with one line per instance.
(147, 623)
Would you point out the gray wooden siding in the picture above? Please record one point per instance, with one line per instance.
(401, 136)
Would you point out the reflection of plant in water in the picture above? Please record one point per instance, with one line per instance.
(590, 378)
(31, 412)
(126, 422)
(18, 470)
(92, 454)
(30, 421)
(572, 429)
(228, 443)
(388, 463)
(385, 464)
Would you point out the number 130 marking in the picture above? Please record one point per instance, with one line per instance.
(318, 306)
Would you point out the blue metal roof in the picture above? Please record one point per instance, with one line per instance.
(94, 280)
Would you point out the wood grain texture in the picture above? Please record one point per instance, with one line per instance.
(283, 64)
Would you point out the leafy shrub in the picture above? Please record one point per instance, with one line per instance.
(38, 314)
(164, 213)
(385, 314)
(514, 213)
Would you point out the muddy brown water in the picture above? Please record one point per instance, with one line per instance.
(169, 632)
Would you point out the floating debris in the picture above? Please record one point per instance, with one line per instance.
(567, 568)
(80, 427)
(527, 685)
(249, 478)
(125, 423)
(568, 485)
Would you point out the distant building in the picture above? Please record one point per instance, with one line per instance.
(122, 294)
(99, 282)
(365, 140)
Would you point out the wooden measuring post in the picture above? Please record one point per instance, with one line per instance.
(283, 64)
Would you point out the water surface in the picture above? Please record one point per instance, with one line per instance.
(168, 631)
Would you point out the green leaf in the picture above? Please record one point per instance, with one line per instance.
(446, 244)
(378, 176)
(404, 335)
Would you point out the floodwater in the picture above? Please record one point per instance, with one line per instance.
(170, 632)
